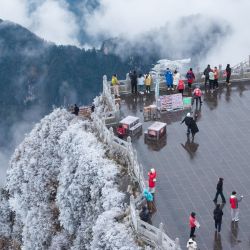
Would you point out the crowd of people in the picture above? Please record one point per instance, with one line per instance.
(141, 83)
(174, 82)
(148, 208)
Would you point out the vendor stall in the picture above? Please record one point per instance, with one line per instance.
(156, 131)
(132, 125)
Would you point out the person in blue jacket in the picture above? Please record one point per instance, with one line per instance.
(169, 79)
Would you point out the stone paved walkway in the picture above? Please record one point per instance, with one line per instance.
(188, 172)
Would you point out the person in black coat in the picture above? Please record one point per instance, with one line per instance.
(219, 191)
(188, 120)
(218, 217)
(206, 74)
(194, 128)
(145, 215)
(228, 74)
(76, 110)
(133, 78)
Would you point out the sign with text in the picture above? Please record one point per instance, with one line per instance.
(187, 102)
(171, 102)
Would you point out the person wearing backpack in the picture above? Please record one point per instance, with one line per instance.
(197, 96)
(218, 217)
(190, 77)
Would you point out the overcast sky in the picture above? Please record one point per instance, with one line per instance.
(53, 21)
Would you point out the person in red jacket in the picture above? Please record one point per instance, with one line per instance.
(216, 77)
(234, 206)
(193, 223)
(152, 180)
(181, 86)
(190, 77)
(197, 96)
(121, 131)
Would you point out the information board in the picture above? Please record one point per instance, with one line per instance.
(171, 102)
(187, 102)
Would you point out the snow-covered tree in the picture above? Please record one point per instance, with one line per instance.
(63, 190)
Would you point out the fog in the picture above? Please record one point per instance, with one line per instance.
(132, 20)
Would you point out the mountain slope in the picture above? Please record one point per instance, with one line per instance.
(62, 190)
(35, 75)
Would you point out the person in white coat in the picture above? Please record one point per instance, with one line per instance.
(141, 82)
(191, 244)
(177, 77)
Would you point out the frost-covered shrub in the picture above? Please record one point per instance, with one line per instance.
(63, 189)
(5, 215)
(35, 166)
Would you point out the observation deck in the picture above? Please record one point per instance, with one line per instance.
(187, 172)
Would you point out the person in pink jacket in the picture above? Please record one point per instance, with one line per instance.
(193, 223)
(197, 96)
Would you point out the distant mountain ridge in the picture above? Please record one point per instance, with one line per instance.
(36, 74)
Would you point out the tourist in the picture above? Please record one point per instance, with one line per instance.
(216, 77)
(228, 74)
(187, 121)
(141, 82)
(197, 95)
(92, 108)
(193, 223)
(211, 80)
(194, 128)
(190, 77)
(121, 131)
(133, 78)
(191, 244)
(206, 74)
(76, 110)
(181, 86)
(169, 79)
(218, 217)
(219, 191)
(176, 79)
(152, 180)
(149, 199)
(144, 214)
(115, 84)
(235, 206)
(148, 82)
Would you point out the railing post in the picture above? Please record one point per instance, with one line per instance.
(177, 244)
(220, 71)
(249, 60)
(104, 84)
(241, 69)
(159, 235)
(133, 212)
(111, 138)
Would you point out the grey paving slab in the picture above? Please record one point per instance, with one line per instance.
(187, 172)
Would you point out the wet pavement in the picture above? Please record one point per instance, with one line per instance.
(187, 172)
